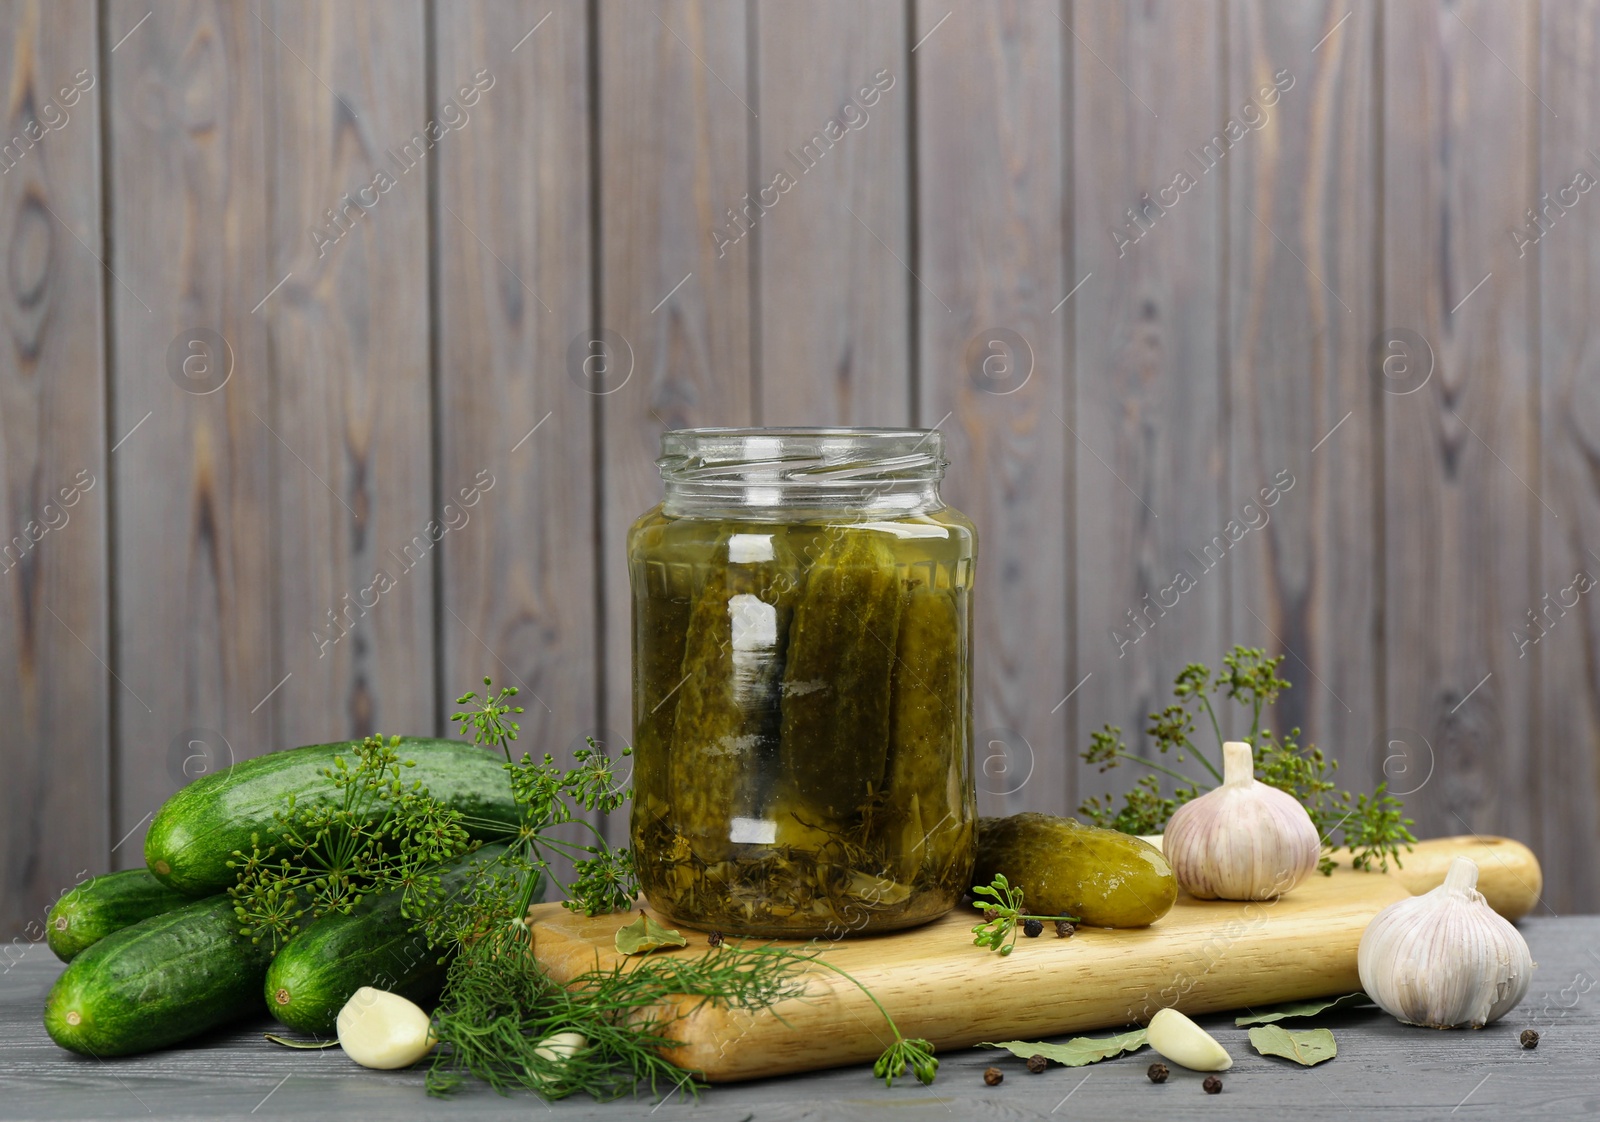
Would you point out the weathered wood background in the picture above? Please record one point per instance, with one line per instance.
(286, 282)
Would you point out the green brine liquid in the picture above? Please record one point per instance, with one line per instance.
(802, 721)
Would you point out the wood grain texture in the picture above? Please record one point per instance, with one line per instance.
(675, 154)
(1216, 338)
(54, 684)
(836, 248)
(351, 433)
(193, 539)
(1385, 1070)
(1302, 265)
(1146, 429)
(1561, 639)
(514, 294)
(1202, 956)
(991, 99)
(1461, 505)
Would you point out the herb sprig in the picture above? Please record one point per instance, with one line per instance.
(1372, 826)
(1003, 913)
(499, 1007)
(380, 834)
(376, 833)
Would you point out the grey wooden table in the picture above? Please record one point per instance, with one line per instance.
(1383, 1069)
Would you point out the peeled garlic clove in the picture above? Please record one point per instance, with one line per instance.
(560, 1047)
(383, 1030)
(1445, 959)
(1182, 1041)
(1244, 840)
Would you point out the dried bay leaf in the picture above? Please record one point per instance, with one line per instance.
(288, 1042)
(1078, 1051)
(1291, 1009)
(1304, 1046)
(644, 935)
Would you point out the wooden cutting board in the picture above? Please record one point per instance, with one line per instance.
(1202, 956)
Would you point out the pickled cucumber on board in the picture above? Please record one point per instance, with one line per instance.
(925, 822)
(834, 744)
(1106, 878)
(725, 730)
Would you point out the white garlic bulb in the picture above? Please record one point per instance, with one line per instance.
(1445, 959)
(1244, 840)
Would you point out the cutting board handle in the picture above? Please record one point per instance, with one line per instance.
(1508, 873)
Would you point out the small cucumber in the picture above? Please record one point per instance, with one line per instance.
(1105, 878)
(103, 904)
(318, 970)
(163, 980)
(194, 834)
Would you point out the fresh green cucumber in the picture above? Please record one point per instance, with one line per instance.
(374, 945)
(195, 833)
(164, 979)
(103, 904)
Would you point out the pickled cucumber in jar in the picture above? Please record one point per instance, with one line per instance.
(929, 823)
(725, 728)
(802, 721)
(836, 685)
(1106, 878)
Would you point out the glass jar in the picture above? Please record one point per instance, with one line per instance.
(802, 621)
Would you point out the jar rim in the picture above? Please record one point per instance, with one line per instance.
(800, 455)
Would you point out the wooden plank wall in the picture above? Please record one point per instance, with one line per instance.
(339, 338)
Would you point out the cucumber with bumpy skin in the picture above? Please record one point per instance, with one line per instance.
(834, 743)
(726, 725)
(375, 945)
(163, 980)
(194, 834)
(103, 904)
(928, 822)
(1105, 878)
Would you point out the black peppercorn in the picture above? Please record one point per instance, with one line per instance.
(1064, 929)
(1032, 927)
(1037, 1064)
(1158, 1073)
(993, 1075)
(1530, 1039)
(715, 938)
(1213, 1085)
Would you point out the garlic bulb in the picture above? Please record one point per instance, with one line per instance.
(1180, 1040)
(383, 1030)
(1445, 959)
(1242, 841)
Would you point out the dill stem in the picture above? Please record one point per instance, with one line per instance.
(1159, 767)
(1216, 728)
(854, 982)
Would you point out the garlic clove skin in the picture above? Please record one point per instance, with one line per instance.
(1244, 840)
(1180, 1040)
(1445, 959)
(383, 1030)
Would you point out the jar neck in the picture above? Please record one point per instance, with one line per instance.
(784, 474)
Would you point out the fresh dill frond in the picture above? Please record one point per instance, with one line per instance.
(499, 1008)
(1373, 827)
(373, 833)
(1002, 902)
